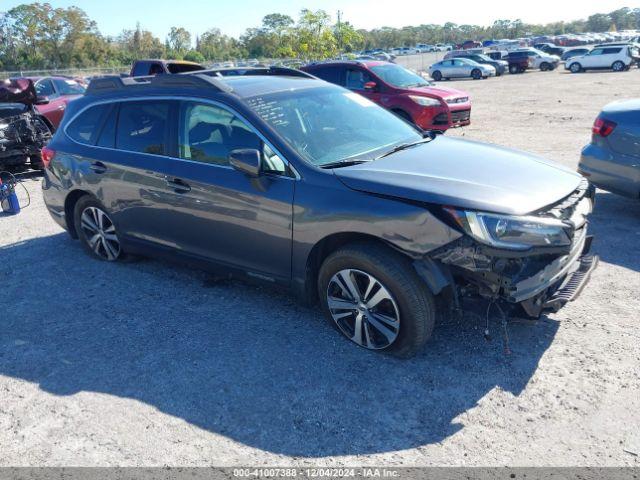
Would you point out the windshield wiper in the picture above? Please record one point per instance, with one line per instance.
(404, 146)
(343, 163)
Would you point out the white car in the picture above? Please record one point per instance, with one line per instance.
(460, 68)
(614, 57)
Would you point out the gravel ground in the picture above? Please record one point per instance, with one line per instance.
(149, 364)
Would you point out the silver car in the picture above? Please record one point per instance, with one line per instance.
(612, 160)
(460, 68)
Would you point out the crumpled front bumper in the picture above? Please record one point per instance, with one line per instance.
(537, 280)
(559, 282)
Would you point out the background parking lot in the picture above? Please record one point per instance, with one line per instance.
(148, 363)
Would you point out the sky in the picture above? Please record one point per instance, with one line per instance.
(233, 17)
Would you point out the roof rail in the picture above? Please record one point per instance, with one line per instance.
(103, 85)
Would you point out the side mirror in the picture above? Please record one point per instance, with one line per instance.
(247, 161)
(42, 100)
(370, 86)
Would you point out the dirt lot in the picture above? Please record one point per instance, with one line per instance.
(152, 364)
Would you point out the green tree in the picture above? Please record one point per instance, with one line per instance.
(178, 41)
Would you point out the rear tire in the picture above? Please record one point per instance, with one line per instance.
(354, 312)
(96, 231)
(618, 66)
(437, 76)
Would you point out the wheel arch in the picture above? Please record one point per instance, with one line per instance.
(69, 207)
(325, 247)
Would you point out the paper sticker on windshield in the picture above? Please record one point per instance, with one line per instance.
(359, 99)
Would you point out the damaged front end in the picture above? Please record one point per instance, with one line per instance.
(538, 262)
(23, 131)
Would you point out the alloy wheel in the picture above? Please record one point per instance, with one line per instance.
(100, 233)
(618, 66)
(363, 309)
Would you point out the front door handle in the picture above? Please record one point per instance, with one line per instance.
(98, 167)
(178, 186)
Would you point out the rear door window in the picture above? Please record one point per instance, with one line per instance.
(86, 127)
(144, 127)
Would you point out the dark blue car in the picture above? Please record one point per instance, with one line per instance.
(278, 176)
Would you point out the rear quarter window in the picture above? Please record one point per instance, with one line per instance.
(86, 127)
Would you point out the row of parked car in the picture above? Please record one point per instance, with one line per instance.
(482, 63)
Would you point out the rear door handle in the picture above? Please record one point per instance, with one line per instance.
(98, 167)
(179, 186)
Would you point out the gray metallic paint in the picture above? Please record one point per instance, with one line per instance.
(268, 227)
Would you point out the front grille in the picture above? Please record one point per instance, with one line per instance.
(460, 116)
(441, 119)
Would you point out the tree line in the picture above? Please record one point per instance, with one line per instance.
(38, 36)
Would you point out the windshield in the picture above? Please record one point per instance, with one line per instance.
(70, 87)
(399, 77)
(330, 124)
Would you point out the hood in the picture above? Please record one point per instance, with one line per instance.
(439, 92)
(466, 174)
(19, 90)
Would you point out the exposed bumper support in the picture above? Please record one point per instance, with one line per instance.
(573, 284)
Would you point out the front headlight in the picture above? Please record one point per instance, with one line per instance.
(425, 101)
(512, 232)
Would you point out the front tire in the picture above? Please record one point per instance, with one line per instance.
(96, 231)
(373, 296)
(544, 66)
(513, 69)
(437, 75)
(575, 67)
(476, 74)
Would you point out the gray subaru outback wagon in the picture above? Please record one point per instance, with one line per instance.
(278, 176)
